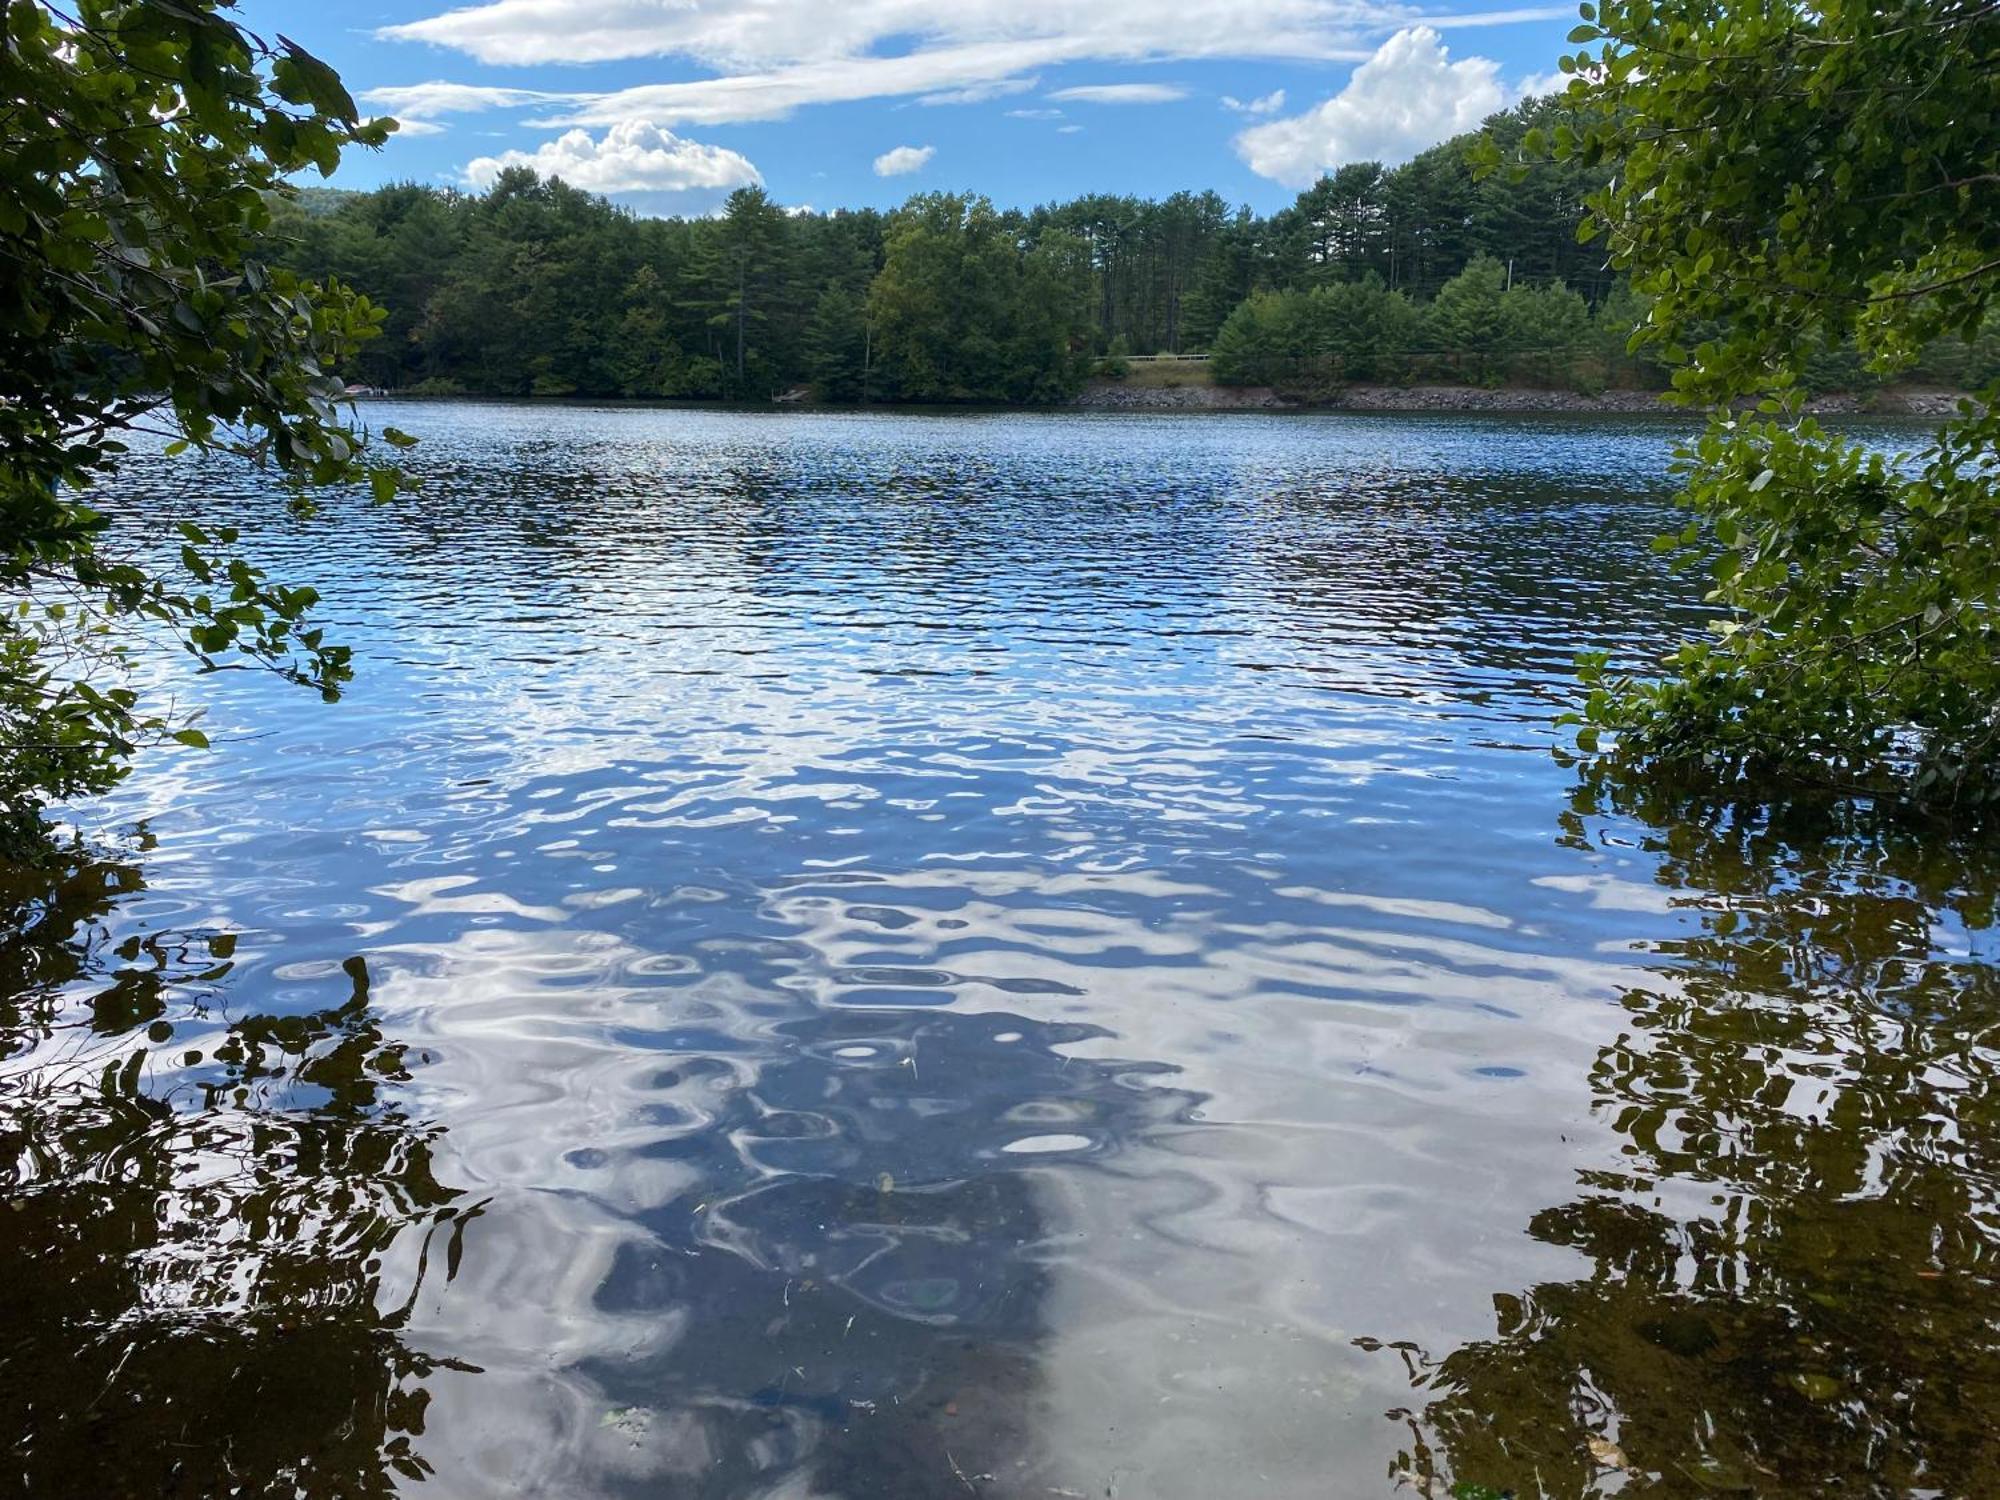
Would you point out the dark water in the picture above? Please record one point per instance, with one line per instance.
(1024, 956)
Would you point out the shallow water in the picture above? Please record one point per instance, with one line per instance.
(904, 955)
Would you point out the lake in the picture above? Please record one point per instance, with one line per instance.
(903, 955)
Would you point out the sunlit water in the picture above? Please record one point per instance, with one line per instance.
(904, 955)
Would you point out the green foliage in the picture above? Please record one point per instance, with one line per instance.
(535, 285)
(1794, 179)
(1257, 343)
(1624, 360)
(1369, 332)
(1550, 329)
(1963, 362)
(1418, 225)
(139, 147)
(1476, 327)
(963, 311)
(752, 245)
(839, 352)
(1470, 314)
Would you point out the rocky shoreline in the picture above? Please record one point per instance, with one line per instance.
(1108, 395)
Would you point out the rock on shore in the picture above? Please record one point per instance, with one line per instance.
(1110, 395)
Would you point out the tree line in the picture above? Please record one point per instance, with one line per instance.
(1437, 269)
(1482, 326)
(534, 287)
(1485, 327)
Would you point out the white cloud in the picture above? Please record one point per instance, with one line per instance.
(1501, 17)
(1535, 85)
(747, 35)
(1121, 93)
(1270, 104)
(1034, 114)
(407, 125)
(633, 157)
(422, 101)
(773, 95)
(1406, 97)
(903, 160)
(980, 93)
(778, 56)
(1068, 129)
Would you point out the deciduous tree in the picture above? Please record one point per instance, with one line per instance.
(141, 142)
(1792, 176)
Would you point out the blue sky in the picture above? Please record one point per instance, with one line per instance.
(668, 104)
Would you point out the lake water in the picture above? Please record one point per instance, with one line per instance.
(1024, 955)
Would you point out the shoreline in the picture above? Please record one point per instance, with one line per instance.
(1107, 395)
(1388, 400)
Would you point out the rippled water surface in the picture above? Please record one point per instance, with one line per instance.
(900, 955)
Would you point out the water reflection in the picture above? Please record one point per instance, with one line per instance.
(195, 1244)
(860, 1293)
(1792, 1264)
(897, 955)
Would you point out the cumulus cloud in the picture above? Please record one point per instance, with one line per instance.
(1535, 85)
(903, 160)
(1121, 93)
(1270, 104)
(633, 157)
(1408, 96)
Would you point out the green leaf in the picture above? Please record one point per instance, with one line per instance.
(323, 87)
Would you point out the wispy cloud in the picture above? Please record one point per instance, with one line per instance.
(1034, 114)
(1121, 93)
(903, 160)
(980, 93)
(755, 35)
(776, 94)
(424, 101)
(771, 58)
(1498, 17)
(1270, 104)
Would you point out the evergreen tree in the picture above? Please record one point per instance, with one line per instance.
(1468, 322)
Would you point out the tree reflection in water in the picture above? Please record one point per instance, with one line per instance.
(1794, 1267)
(212, 1230)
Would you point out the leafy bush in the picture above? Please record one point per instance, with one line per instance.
(1796, 178)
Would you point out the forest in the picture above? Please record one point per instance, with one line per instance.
(1436, 269)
